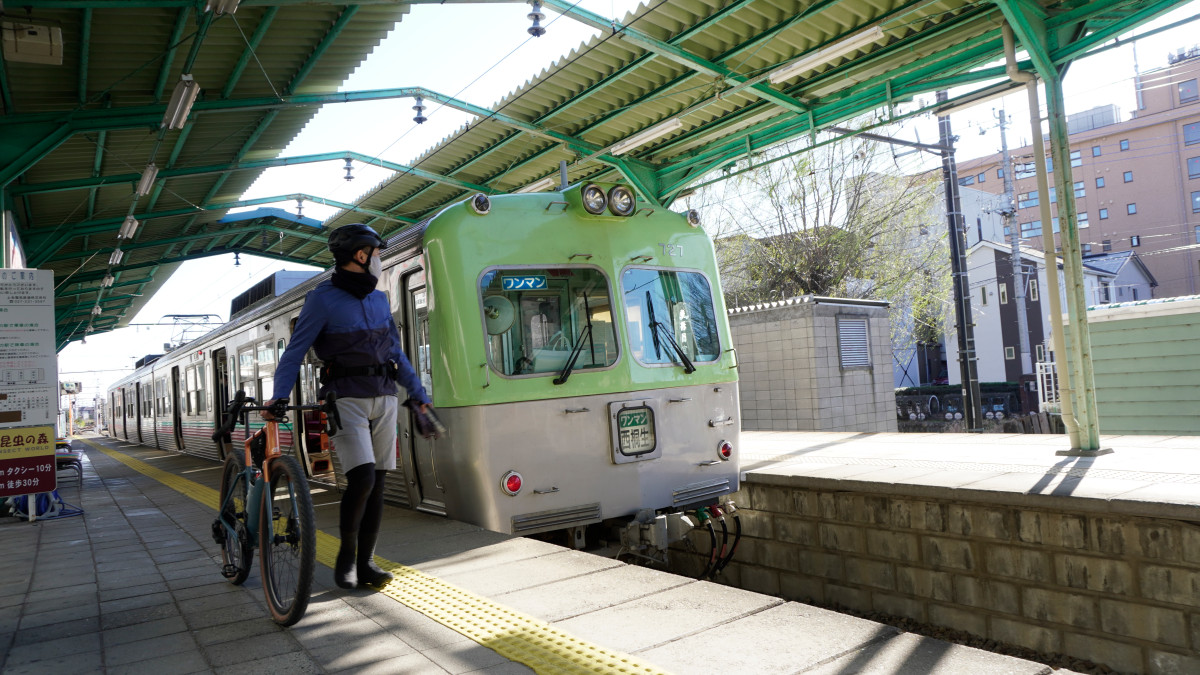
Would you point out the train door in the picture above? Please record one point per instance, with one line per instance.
(430, 492)
(176, 405)
(141, 410)
(220, 390)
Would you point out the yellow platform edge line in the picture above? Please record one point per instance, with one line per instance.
(512, 634)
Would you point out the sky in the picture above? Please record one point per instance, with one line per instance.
(503, 56)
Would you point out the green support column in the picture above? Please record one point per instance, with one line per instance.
(1079, 346)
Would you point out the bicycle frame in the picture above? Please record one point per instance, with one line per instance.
(255, 480)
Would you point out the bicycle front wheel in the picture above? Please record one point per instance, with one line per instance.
(288, 541)
(236, 550)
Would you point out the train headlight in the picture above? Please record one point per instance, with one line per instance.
(693, 217)
(481, 204)
(511, 483)
(594, 199)
(621, 201)
(725, 450)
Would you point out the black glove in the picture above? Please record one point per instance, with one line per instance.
(428, 423)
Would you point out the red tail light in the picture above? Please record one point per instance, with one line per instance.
(725, 450)
(511, 483)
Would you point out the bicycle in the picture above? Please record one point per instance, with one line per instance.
(265, 502)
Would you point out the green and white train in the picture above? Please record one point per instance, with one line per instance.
(574, 342)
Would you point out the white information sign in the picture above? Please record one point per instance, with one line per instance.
(28, 359)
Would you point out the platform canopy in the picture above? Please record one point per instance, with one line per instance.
(660, 99)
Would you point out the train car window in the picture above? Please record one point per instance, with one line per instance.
(664, 305)
(534, 318)
(266, 368)
(246, 380)
(201, 390)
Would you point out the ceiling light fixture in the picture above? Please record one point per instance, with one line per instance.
(128, 228)
(643, 137)
(222, 6)
(107, 281)
(181, 102)
(147, 182)
(826, 54)
(115, 258)
(538, 186)
(980, 97)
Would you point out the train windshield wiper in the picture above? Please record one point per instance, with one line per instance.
(669, 338)
(570, 365)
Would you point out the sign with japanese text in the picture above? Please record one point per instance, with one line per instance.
(28, 355)
(27, 461)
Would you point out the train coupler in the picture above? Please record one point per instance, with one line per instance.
(655, 532)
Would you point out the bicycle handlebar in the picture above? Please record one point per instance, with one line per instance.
(277, 409)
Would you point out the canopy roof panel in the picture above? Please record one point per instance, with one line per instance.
(660, 99)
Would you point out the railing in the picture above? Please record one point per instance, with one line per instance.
(1047, 384)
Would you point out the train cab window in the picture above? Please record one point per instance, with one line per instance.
(535, 319)
(665, 308)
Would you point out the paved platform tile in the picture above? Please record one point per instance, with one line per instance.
(250, 649)
(909, 653)
(293, 663)
(581, 595)
(801, 636)
(131, 652)
(179, 663)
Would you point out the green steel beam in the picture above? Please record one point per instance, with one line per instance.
(248, 229)
(85, 50)
(1102, 34)
(1030, 27)
(256, 38)
(143, 4)
(678, 55)
(5, 90)
(103, 225)
(84, 183)
(168, 57)
(201, 32)
(94, 276)
(93, 289)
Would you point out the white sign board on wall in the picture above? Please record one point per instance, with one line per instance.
(28, 359)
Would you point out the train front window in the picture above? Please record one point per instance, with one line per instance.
(665, 308)
(535, 318)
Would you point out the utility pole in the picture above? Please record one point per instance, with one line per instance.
(964, 321)
(1018, 271)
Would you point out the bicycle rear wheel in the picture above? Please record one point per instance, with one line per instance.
(288, 539)
(236, 551)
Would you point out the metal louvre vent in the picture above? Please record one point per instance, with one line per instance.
(699, 491)
(557, 519)
(853, 349)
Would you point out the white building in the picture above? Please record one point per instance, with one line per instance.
(994, 308)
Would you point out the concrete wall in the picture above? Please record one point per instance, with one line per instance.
(1121, 590)
(790, 375)
(1146, 359)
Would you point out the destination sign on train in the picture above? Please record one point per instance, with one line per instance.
(529, 282)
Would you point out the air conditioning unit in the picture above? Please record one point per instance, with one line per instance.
(26, 42)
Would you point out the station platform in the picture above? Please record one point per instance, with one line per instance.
(133, 586)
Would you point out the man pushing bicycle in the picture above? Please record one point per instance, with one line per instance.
(349, 323)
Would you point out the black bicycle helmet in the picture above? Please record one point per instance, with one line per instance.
(347, 239)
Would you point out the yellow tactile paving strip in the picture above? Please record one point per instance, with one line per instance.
(509, 633)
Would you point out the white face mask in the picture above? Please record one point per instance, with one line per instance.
(375, 266)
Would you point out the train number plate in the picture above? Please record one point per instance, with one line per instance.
(635, 431)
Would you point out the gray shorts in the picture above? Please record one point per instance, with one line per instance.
(368, 432)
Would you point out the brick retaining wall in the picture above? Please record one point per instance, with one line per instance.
(1060, 575)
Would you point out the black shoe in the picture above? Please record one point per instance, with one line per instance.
(343, 571)
(369, 574)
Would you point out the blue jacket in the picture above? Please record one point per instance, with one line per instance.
(348, 332)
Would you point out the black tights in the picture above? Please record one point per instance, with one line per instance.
(362, 505)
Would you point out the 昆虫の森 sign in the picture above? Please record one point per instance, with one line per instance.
(27, 461)
(28, 354)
